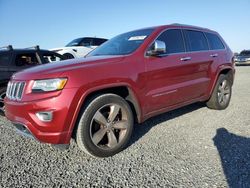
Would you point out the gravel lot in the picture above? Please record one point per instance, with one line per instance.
(189, 147)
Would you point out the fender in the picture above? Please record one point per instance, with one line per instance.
(219, 70)
(132, 97)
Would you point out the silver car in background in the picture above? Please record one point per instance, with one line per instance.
(243, 58)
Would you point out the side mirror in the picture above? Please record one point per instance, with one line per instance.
(157, 48)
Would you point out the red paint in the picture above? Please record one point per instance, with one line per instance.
(157, 84)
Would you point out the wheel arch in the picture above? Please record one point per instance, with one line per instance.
(226, 70)
(123, 91)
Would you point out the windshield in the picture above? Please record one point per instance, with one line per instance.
(245, 53)
(123, 44)
(74, 42)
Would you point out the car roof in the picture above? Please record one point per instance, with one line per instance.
(189, 26)
(181, 26)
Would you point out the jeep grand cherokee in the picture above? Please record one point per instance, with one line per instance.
(132, 77)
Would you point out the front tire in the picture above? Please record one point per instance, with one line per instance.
(105, 126)
(221, 95)
(2, 96)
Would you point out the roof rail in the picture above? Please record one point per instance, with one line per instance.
(35, 47)
(186, 25)
(9, 47)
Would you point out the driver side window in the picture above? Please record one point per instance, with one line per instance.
(173, 40)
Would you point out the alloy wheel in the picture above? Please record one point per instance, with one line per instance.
(224, 92)
(109, 126)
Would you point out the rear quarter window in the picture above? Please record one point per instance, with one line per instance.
(214, 42)
(195, 41)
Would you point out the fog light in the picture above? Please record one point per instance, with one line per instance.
(45, 116)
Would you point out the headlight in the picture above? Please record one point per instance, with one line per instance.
(49, 84)
(247, 59)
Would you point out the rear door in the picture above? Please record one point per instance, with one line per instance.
(217, 48)
(23, 60)
(199, 64)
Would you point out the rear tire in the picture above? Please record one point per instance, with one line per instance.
(2, 96)
(105, 126)
(221, 95)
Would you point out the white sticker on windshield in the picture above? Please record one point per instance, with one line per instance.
(137, 37)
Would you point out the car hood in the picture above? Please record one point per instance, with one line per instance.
(56, 69)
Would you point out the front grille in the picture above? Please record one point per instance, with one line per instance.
(15, 90)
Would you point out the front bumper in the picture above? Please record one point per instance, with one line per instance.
(57, 131)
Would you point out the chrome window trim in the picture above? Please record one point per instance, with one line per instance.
(186, 52)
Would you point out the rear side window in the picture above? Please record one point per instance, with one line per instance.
(4, 59)
(173, 40)
(26, 59)
(98, 42)
(214, 42)
(195, 41)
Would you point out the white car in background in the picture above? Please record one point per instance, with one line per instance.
(79, 47)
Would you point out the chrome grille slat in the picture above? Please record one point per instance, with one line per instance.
(15, 90)
(20, 93)
(10, 89)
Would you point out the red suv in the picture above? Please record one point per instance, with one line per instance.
(130, 78)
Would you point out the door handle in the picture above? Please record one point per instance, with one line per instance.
(214, 55)
(185, 58)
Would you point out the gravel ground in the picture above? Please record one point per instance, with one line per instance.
(189, 147)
